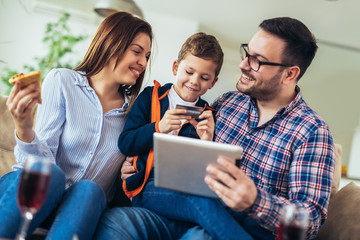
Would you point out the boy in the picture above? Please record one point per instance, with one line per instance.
(196, 70)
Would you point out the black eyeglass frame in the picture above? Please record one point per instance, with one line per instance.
(245, 46)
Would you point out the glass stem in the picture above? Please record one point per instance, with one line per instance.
(24, 226)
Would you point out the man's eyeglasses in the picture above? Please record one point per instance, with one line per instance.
(255, 63)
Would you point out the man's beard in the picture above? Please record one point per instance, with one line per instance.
(261, 90)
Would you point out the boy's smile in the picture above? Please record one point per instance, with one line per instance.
(194, 76)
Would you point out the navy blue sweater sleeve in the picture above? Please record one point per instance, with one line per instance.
(137, 135)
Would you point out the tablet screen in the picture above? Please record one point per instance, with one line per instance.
(180, 162)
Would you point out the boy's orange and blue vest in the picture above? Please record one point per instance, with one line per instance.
(132, 143)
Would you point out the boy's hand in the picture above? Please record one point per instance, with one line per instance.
(205, 128)
(172, 120)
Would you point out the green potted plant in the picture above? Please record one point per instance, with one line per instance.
(59, 41)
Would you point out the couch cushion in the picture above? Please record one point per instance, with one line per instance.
(7, 159)
(7, 140)
(344, 215)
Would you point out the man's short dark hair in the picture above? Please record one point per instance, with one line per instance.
(300, 42)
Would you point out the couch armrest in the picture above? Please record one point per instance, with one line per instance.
(337, 172)
(343, 220)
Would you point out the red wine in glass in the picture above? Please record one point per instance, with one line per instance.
(290, 232)
(32, 190)
(293, 223)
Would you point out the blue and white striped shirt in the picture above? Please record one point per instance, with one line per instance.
(72, 130)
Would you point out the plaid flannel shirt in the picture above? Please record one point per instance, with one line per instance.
(290, 158)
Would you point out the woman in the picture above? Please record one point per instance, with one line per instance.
(77, 126)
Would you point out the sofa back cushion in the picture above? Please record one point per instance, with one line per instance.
(7, 139)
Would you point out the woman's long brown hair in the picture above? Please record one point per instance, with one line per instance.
(112, 38)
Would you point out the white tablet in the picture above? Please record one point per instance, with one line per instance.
(180, 162)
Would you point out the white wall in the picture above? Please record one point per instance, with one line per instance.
(21, 41)
(22, 28)
(166, 45)
(354, 163)
(331, 86)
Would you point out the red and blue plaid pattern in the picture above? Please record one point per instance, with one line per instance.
(290, 158)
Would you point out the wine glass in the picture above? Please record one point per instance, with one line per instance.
(293, 223)
(32, 190)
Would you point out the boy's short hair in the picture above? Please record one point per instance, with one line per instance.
(203, 46)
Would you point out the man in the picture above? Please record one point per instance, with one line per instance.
(288, 149)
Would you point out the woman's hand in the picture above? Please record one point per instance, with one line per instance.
(127, 168)
(172, 120)
(205, 128)
(21, 103)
